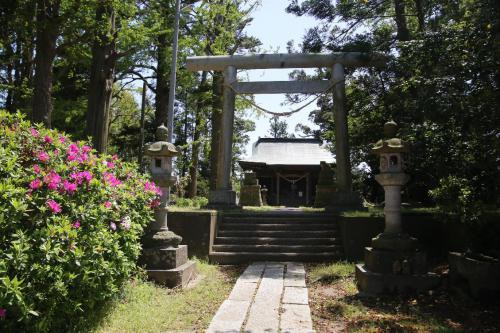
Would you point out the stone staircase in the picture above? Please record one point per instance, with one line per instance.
(276, 236)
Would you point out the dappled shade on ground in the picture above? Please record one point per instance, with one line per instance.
(336, 306)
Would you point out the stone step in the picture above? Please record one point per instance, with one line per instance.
(278, 240)
(232, 258)
(277, 226)
(278, 219)
(272, 248)
(278, 233)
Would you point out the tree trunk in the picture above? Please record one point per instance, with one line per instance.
(420, 15)
(403, 34)
(195, 154)
(23, 77)
(215, 146)
(47, 31)
(162, 82)
(101, 78)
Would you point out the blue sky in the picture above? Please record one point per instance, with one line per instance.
(274, 27)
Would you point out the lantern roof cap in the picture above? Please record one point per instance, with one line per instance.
(161, 147)
(390, 144)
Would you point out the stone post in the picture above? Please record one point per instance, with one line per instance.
(344, 181)
(224, 194)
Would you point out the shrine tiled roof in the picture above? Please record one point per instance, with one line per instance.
(289, 151)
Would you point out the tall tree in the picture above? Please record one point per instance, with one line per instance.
(278, 128)
(48, 25)
(443, 87)
(102, 74)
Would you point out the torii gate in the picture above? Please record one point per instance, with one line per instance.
(224, 195)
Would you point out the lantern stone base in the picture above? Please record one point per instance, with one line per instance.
(345, 200)
(250, 195)
(169, 266)
(378, 283)
(176, 277)
(222, 198)
(394, 265)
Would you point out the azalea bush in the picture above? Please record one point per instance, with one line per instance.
(70, 227)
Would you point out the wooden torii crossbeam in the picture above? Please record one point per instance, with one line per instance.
(224, 195)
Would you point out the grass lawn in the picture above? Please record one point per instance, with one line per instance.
(146, 307)
(337, 307)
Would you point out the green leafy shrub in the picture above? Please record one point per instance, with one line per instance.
(70, 227)
(196, 202)
(456, 196)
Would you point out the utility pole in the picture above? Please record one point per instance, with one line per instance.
(173, 73)
(143, 114)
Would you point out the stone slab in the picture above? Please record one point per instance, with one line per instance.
(293, 267)
(229, 317)
(296, 318)
(295, 295)
(176, 277)
(263, 316)
(253, 273)
(264, 312)
(295, 279)
(243, 291)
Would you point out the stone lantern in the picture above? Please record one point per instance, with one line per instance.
(393, 263)
(161, 154)
(166, 261)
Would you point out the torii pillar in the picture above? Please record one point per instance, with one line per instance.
(223, 195)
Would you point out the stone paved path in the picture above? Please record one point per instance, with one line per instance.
(268, 297)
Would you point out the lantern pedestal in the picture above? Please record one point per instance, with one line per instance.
(166, 261)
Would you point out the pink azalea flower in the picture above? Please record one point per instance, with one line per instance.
(36, 184)
(34, 132)
(69, 187)
(36, 169)
(114, 157)
(86, 175)
(73, 148)
(56, 152)
(86, 149)
(150, 186)
(62, 139)
(53, 180)
(112, 225)
(47, 139)
(110, 165)
(54, 206)
(3, 312)
(110, 179)
(76, 224)
(107, 204)
(42, 156)
(71, 157)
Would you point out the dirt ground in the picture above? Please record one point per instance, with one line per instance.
(336, 306)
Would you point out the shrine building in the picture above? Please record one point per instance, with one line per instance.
(288, 168)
